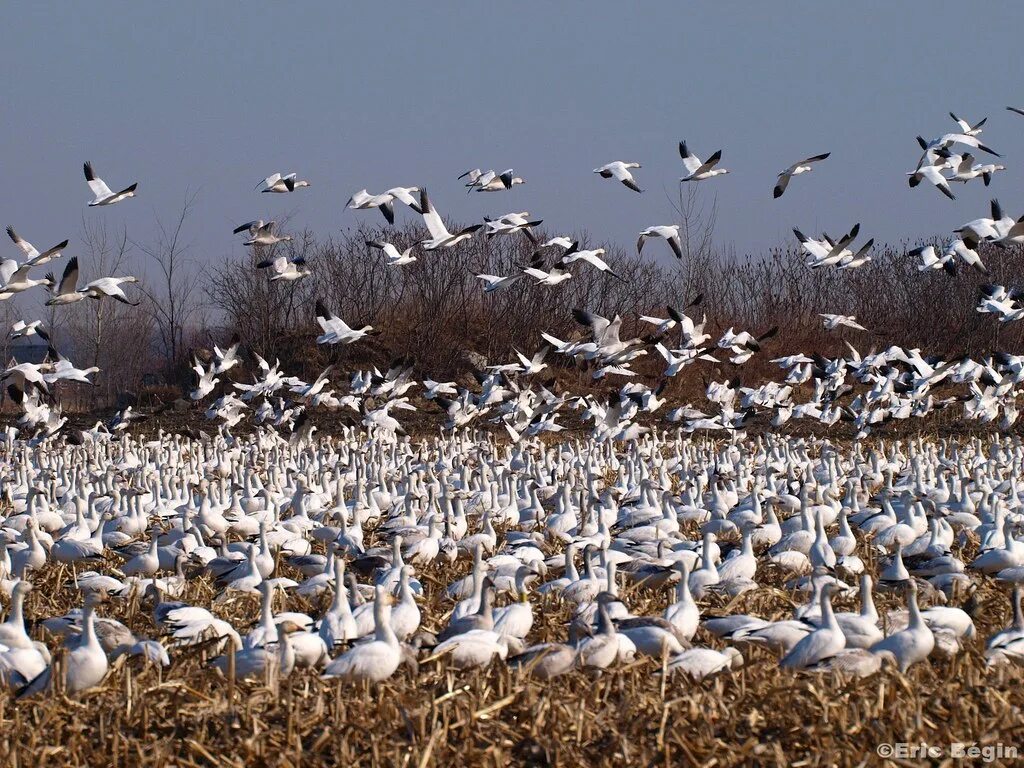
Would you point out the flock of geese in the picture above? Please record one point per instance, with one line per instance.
(358, 529)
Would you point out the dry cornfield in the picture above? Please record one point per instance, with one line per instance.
(188, 714)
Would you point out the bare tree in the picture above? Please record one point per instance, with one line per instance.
(173, 300)
(93, 323)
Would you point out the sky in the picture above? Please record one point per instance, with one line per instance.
(207, 98)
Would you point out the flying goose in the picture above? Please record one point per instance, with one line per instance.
(494, 283)
(591, 257)
(620, 171)
(385, 202)
(32, 255)
(285, 269)
(335, 330)
(834, 321)
(697, 169)
(391, 253)
(102, 193)
(491, 181)
(260, 233)
(669, 234)
(930, 259)
(440, 237)
(66, 291)
(558, 273)
(932, 175)
(34, 328)
(279, 183)
(803, 166)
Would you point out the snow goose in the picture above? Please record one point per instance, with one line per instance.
(285, 269)
(912, 644)
(101, 192)
(1008, 644)
(591, 256)
(279, 183)
(84, 666)
(32, 255)
(670, 234)
(260, 233)
(377, 659)
(933, 176)
(802, 166)
(440, 237)
(620, 172)
(702, 663)
(394, 257)
(697, 169)
(66, 292)
(492, 283)
(23, 329)
(824, 642)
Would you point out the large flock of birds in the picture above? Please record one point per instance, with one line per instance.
(631, 502)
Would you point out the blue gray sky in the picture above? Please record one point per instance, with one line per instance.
(210, 97)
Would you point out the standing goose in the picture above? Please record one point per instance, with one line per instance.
(912, 644)
(85, 665)
(377, 659)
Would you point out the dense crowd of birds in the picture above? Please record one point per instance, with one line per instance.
(348, 523)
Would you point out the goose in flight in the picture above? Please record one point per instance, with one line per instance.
(32, 254)
(512, 222)
(826, 252)
(964, 169)
(966, 128)
(280, 184)
(932, 175)
(980, 230)
(285, 269)
(385, 202)
(66, 291)
(930, 259)
(620, 172)
(440, 237)
(101, 192)
(110, 287)
(559, 272)
(494, 283)
(16, 280)
(834, 321)
(592, 257)
(560, 241)
(392, 254)
(803, 166)
(948, 140)
(669, 234)
(336, 330)
(35, 328)
(697, 169)
(491, 181)
(260, 233)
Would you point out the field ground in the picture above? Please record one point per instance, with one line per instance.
(188, 715)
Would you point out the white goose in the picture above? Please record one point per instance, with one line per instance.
(101, 192)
